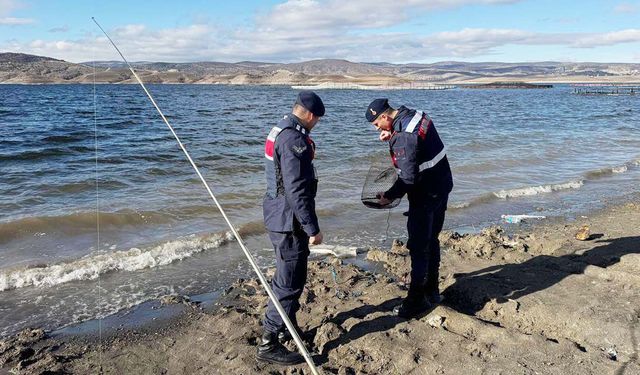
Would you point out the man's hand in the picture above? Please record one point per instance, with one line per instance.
(316, 240)
(385, 135)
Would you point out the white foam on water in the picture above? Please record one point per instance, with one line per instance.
(459, 205)
(620, 169)
(92, 266)
(535, 190)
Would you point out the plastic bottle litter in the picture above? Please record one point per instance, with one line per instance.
(514, 219)
(337, 251)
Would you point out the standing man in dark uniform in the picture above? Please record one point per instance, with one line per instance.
(290, 218)
(424, 175)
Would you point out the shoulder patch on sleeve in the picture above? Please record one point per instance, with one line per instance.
(298, 149)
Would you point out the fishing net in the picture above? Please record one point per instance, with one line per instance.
(379, 179)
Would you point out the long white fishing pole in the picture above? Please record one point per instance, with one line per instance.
(262, 278)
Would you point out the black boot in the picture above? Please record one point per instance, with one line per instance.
(431, 290)
(285, 335)
(412, 307)
(434, 298)
(415, 304)
(272, 351)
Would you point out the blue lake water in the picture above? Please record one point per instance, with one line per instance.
(544, 152)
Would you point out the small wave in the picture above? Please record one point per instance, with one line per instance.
(604, 172)
(76, 223)
(62, 138)
(81, 186)
(33, 155)
(459, 206)
(85, 222)
(620, 169)
(535, 190)
(84, 112)
(485, 198)
(94, 265)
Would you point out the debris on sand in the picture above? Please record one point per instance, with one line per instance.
(177, 299)
(484, 244)
(583, 233)
(28, 353)
(435, 321)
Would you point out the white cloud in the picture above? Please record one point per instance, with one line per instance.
(625, 8)
(473, 42)
(202, 42)
(608, 39)
(6, 8)
(13, 21)
(136, 41)
(303, 29)
(309, 15)
(60, 29)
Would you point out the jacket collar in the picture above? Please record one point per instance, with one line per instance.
(403, 117)
(294, 122)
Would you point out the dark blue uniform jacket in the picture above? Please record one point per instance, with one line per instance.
(291, 178)
(419, 156)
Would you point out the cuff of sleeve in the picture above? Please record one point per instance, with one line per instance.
(311, 229)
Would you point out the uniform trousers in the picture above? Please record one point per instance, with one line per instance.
(426, 217)
(292, 253)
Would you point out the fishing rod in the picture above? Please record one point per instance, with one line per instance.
(263, 279)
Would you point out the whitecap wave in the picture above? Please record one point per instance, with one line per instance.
(93, 265)
(620, 169)
(460, 205)
(535, 190)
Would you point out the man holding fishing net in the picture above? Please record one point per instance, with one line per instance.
(419, 156)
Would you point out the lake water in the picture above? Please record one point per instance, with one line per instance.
(543, 152)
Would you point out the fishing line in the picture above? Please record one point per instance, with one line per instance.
(95, 143)
(261, 277)
(386, 233)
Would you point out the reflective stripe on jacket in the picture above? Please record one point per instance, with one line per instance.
(419, 156)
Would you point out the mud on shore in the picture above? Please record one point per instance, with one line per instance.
(539, 302)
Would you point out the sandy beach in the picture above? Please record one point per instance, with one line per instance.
(536, 301)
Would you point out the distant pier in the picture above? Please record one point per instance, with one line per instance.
(507, 85)
(357, 86)
(605, 89)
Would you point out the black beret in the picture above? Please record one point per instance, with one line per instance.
(376, 108)
(311, 101)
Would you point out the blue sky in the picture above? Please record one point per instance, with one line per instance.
(396, 31)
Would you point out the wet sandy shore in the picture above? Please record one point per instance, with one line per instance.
(535, 302)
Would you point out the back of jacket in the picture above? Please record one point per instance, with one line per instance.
(291, 178)
(419, 155)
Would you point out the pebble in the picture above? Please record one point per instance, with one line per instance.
(435, 321)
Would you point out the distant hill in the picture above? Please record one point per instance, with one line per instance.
(22, 58)
(23, 68)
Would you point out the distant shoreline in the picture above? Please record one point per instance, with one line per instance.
(16, 68)
(357, 86)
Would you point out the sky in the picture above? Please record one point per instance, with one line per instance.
(398, 31)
